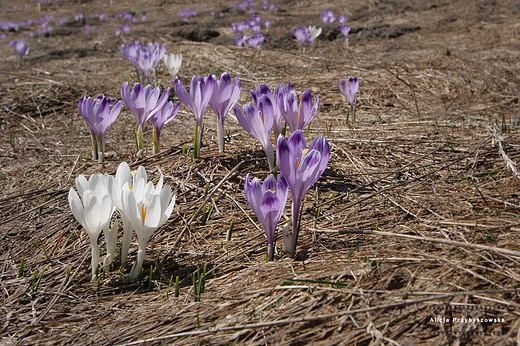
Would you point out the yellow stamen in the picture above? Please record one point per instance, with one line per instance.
(130, 187)
(297, 162)
(262, 117)
(143, 212)
(271, 191)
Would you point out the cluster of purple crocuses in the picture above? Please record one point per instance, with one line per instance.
(248, 33)
(186, 13)
(327, 16)
(145, 59)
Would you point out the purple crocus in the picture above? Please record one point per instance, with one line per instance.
(143, 103)
(268, 202)
(125, 28)
(258, 123)
(99, 118)
(161, 118)
(196, 100)
(345, 29)
(278, 96)
(238, 41)
(20, 48)
(341, 19)
(349, 89)
(303, 36)
(301, 167)
(327, 16)
(297, 117)
(86, 29)
(224, 96)
(254, 41)
(130, 53)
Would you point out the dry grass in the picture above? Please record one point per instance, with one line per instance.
(418, 208)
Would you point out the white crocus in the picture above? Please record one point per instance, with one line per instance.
(147, 207)
(115, 190)
(173, 63)
(93, 211)
(314, 32)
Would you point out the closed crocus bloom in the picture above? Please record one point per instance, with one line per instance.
(196, 100)
(314, 32)
(349, 89)
(301, 167)
(268, 202)
(20, 48)
(143, 103)
(297, 117)
(99, 118)
(161, 118)
(130, 53)
(258, 123)
(277, 97)
(224, 96)
(173, 63)
(147, 208)
(93, 211)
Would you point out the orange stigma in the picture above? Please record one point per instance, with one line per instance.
(143, 212)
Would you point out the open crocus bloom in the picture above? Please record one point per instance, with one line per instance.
(93, 211)
(147, 207)
(258, 122)
(268, 202)
(196, 100)
(349, 89)
(143, 103)
(99, 118)
(224, 96)
(297, 117)
(173, 63)
(301, 167)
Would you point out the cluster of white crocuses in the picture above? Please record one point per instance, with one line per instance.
(143, 207)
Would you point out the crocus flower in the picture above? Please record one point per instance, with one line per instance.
(345, 29)
(161, 118)
(297, 117)
(147, 207)
(143, 103)
(341, 19)
(125, 28)
(268, 202)
(223, 98)
(158, 51)
(238, 41)
(267, 24)
(327, 16)
(196, 100)
(130, 53)
(303, 36)
(20, 48)
(99, 118)
(115, 189)
(93, 211)
(301, 167)
(86, 29)
(278, 95)
(258, 123)
(314, 32)
(349, 89)
(173, 63)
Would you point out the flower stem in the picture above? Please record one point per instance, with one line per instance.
(220, 135)
(127, 235)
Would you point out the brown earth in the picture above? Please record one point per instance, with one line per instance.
(418, 208)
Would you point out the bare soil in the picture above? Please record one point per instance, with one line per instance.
(412, 228)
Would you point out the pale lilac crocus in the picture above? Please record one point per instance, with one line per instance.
(341, 19)
(20, 48)
(161, 118)
(345, 29)
(196, 100)
(297, 117)
(303, 36)
(130, 53)
(125, 28)
(327, 16)
(254, 41)
(224, 96)
(301, 167)
(258, 122)
(349, 89)
(86, 29)
(268, 202)
(143, 103)
(99, 118)
(238, 41)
